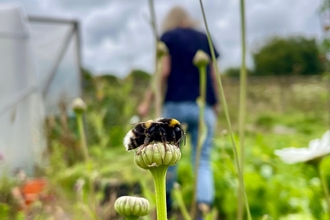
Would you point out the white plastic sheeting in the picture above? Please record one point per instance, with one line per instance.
(21, 107)
(57, 58)
(39, 67)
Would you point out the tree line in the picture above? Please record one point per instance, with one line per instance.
(286, 56)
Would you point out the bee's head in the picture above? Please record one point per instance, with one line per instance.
(173, 123)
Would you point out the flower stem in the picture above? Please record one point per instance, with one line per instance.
(324, 187)
(132, 217)
(82, 136)
(178, 197)
(225, 109)
(156, 84)
(159, 176)
(158, 87)
(201, 131)
(242, 111)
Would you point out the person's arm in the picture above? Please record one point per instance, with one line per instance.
(143, 108)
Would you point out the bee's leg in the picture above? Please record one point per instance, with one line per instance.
(139, 150)
(176, 141)
(162, 134)
(146, 142)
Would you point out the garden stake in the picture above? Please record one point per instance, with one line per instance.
(225, 108)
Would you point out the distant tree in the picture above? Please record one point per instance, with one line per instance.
(87, 79)
(140, 74)
(234, 71)
(294, 55)
(109, 78)
(139, 77)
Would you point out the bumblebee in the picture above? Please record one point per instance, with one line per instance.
(165, 130)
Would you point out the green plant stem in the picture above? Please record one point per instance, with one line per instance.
(159, 176)
(242, 111)
(324, 187)
(225, 109)
(200, 139)
(153, 20)
(157, 87)
(178, 197)
(92, 197)
(131, 218)
(156, 84)
(83, 141)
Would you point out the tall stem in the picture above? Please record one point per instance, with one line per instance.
(153, 19)
(324, 187)
(178, 197)
(159, 176)
(156, 87)
(225, 109)
(201, 131)
(82, 136)
(242, 110)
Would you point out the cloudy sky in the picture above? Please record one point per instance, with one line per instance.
(116, 36)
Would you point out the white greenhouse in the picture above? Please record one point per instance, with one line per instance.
(39, 68)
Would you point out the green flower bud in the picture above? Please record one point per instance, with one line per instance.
(201, 59)
(78, 106)
(156, 154)
(132, 206)
(161, 49)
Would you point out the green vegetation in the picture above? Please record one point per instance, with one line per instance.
(282, 56)
(294, 55)
(273, 188)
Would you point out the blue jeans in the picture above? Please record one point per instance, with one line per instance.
(188, 112)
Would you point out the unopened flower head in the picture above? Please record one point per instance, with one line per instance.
(78, 106)
(157, 154)
(317, 148)
(161, 49)
(132, 206)
(201, 59)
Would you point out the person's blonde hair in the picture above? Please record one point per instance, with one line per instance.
(178, 17)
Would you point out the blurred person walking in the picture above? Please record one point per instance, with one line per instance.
(180, 82)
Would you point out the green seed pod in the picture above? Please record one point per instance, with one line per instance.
(155, 155)
(132, 206)
(201, 59)
(78, 106)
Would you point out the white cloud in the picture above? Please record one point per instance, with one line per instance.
(117, 36)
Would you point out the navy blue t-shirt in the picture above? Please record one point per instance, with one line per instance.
(183, 80)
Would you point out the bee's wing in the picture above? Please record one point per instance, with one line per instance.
(135, 124)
